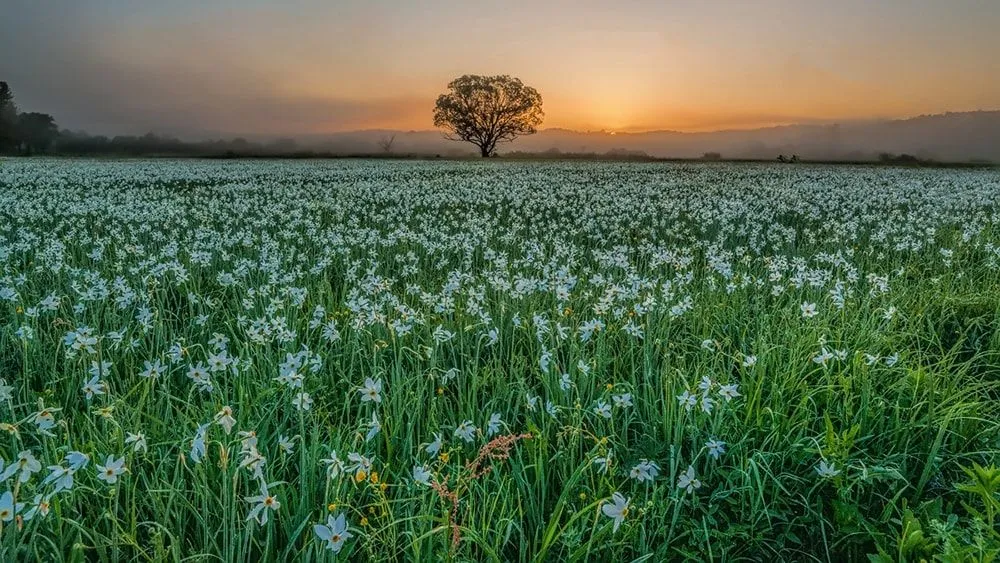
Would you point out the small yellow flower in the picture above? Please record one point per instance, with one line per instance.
(364, 520)
(609, 386)
(583, 496)
(331, 507)
(374, 477)
(440, 390)
(443, 457)
(360, 476)
(383, 487)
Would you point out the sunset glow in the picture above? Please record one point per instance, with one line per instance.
(629, 66)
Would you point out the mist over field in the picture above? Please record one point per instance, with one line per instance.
(956, 137)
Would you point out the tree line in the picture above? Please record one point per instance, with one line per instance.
(483, 110)
(35, 133)
(23, 132)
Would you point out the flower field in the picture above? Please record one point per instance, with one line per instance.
(377, 360)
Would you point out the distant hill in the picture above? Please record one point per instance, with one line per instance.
(953, 137)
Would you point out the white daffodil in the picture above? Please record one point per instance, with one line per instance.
(622, 401)
(93, 387)
(617, 509)
(434, 447)
(136, 440)
(8, 509)
(602, 409)
(111, 470)
(687, 481)
(371, 391)
(374, 427)
(827, 470)
(263, 504)
(493, 425)
(466, 431)
(645, 471)
(334, 533)
(302, 401)
(715, 448)
(421, 475)
(287, 445)
(224, 418)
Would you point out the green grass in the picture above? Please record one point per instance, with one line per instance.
(396, 252)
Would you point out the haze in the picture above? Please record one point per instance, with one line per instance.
(207, 68)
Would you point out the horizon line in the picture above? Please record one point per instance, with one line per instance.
(610, 132)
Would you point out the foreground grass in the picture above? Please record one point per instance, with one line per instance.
(808, 355)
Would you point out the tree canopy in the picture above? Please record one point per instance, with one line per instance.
(488, 110)
(8, 118)
(37, 131)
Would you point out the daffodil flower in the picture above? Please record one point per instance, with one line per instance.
(334, 533)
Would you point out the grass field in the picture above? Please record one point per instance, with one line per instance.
(376, 360)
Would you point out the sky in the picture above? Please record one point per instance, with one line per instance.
(202, 68)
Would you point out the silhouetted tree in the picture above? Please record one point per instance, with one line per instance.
(781, 158)
(8, 118)
(385, 143)
(487, 110)
(901, 159)
(6, 95)
(36, 131)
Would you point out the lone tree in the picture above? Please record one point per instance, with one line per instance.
(486, 110)
(385, 143)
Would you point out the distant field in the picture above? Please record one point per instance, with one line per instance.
(418, 360)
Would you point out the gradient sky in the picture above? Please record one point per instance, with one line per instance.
(222, 67)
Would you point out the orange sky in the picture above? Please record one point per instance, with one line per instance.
(252, 67)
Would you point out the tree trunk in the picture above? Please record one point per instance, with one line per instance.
(485, 151)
